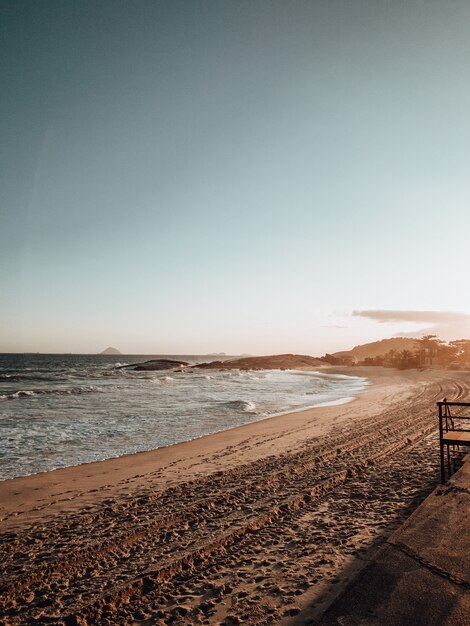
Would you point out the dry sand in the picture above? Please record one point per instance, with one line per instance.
(260, 524)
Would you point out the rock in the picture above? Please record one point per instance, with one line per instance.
(275, 361)
(155, 365)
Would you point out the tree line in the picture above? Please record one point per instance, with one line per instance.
(429, 351)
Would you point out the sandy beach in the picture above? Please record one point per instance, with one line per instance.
(264, 523)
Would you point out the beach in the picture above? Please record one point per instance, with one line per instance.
(263, 523)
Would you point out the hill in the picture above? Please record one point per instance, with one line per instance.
(377, 348)
(111, 350)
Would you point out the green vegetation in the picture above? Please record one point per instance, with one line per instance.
(429, 351)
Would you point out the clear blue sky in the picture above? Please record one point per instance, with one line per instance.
(187, 177)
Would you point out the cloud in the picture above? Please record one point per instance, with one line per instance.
(445, 324)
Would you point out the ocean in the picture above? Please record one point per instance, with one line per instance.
(64, 410)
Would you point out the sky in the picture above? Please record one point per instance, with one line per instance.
(187, 177)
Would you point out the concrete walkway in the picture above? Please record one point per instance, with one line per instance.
(421, 576)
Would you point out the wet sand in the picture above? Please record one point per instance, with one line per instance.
(264, 523)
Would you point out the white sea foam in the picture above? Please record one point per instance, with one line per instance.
(68, 391)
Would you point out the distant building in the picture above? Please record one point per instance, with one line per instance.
(429, 357)
(349, 360)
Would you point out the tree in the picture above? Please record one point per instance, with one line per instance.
(461, 349)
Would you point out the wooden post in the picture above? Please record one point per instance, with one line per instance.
(441, 445)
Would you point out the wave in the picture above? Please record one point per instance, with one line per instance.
(13, 378)
(241, 405)
(28, 393)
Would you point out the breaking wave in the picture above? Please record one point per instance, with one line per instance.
(241, 405)
(29, 393)
(14, 378)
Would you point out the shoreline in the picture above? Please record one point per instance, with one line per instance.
(268, 519)
(21, 494)
(327, 403)
(145, 420)
(90, 474)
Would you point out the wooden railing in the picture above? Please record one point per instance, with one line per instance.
(454, 434)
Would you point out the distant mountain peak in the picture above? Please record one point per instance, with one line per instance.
(110, 350)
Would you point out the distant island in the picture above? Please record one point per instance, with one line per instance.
(111, 350)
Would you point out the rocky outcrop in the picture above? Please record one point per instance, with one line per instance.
(155, 365)
(272, 362)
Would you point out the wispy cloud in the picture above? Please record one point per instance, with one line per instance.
(445, 324)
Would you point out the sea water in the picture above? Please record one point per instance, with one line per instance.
(63, 410)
